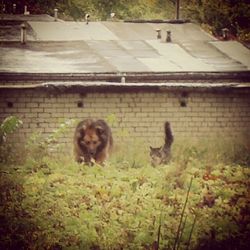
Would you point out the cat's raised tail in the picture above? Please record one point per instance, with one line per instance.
(168, 135)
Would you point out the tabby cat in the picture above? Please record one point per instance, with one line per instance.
(162, 155)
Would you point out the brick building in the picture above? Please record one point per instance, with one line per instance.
(68, 70)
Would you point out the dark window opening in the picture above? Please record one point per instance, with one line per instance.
(80, 104)
(183, 104)
(10, 104)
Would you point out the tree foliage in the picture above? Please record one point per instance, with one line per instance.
(99, 9)
(231, 14)
(8, 126)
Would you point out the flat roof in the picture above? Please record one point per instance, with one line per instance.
(114, 47)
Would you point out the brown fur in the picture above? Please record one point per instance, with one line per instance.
(92, 141)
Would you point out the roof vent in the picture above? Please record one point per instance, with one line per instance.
(26, 12)
(168, 38)
(55, 14)
(183, 99)
(87, 16)
(158, 33)
(123, 79)
(14, 8)
(225, 34)
(23, 33)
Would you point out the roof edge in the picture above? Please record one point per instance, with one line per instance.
(117, 86)
(143, 77)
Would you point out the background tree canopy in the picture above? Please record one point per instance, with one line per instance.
(213, 14)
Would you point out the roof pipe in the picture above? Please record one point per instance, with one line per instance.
(177, 5)
(23, 33)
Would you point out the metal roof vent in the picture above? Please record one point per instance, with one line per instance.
(112, 15)
(55, 14)
(168, 38)
(87, 16)
(123, 79)
(225, 34)
(14, 8)
(23, 33)
(158, 33)
(26, 12)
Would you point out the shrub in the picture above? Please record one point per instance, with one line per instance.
(7, 127)
(57, 205)
(233, 15)
(39, 146)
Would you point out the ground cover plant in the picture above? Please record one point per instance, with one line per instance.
(194, 202)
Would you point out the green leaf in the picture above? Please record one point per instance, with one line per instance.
(9, 125)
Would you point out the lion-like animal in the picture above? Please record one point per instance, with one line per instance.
(93, 141)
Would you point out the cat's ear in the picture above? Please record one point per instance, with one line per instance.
(150, 148)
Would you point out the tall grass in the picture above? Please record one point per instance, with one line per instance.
(213, 151)
(51, 202)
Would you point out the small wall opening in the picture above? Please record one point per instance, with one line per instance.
(10, 104)
(183, 104)
(183, 99)
(80, 104)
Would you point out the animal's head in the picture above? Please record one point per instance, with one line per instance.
(156, 156)
(90, 138)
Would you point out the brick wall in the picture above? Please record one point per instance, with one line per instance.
(139, 115)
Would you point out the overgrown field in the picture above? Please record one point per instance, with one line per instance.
(188, 204)
(201, 200)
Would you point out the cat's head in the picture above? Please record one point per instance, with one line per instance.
(156, 156)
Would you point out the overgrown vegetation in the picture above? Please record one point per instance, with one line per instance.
(7, 127)
(39, 146)
(212, 14)
(199, 201)
(217, 15)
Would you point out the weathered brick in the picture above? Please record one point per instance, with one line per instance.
(23, 110)
(44, 115)
(19, 104)
(31, 105)
(142, 114)
(37, 110)
(31, 115)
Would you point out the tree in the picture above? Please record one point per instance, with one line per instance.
(231, 14)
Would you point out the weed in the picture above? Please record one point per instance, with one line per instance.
(52, 202)
(38, 146)
(7, 127)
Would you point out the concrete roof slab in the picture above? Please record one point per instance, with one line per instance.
(127, 64)
(118, 46)
(131, 31)
(71, 31)
(40, 57)
(107, 48)
(234, 50)
(177, 56)
(139, 49)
